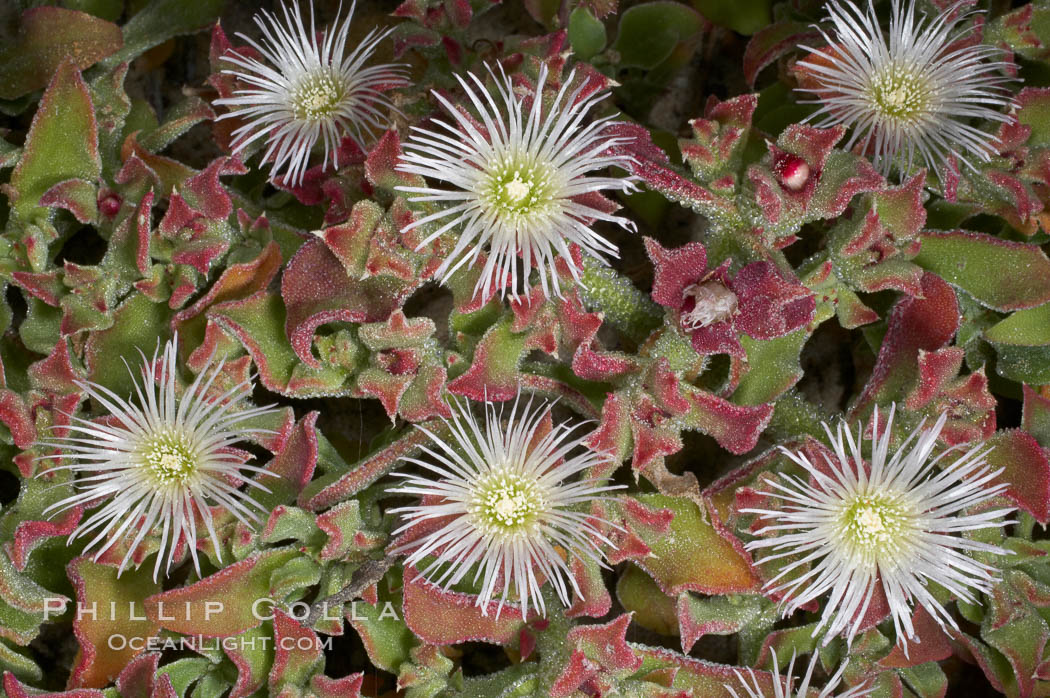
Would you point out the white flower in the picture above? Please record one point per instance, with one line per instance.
(913, 92)
(304, 90)
(517, 179)
(506, 491)
(159, 463)
(891, 525)
(785, 688)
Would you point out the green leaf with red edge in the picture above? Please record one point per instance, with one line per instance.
(716, 615)
(257, 322)
(970, 260)
(340, 484)
(382, 627)
(772, 367)
(62, 143)
(191, 610)
(317, 290)
(1035, 418)
(24, 605)
(493, 373)
(927, 322)
(14, 689)
(1022, 342)
(1025, 468)
(773, 41)
(347, 531)
(118, 604)
(689, 555)
(47, 36)
(137, 324)
(1014, 626)
(293, 464)
(652, 609)
(440, 617)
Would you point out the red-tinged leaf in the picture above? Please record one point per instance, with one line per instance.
(298, 654)
(15, 689)
(346, 531)
(118, 605)
(964, 259)
(46, 286)
(77, 196)
(932, 644)
(139, 679)
(493, 374)
(652, 609)
(220, 605)
(735, 427)
(577, 671)
(317, 290)
(652, 165)
(606, 645)
(346, 687)
(294, 465)
(337, 486)
(48, 36)
(257, 322)
(1036, 415)
(236, 282)
(379, 167)
(713, 616)
(1026, 469)
(720, 137)
(62, 142)
(14, 413)
(350, 241)
(595, 600)
(702, 677)
(30, 534)
(442, 617)
(691, 555)
(915, 323)
(772, 42)
(675, 270)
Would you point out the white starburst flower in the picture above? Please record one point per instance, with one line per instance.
(912, 93)
(510, 504)
(160, 463)
(891, 524)
(784, 686)
(519, 181)
(303, 90)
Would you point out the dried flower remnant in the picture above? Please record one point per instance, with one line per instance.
(908, 94)
(888, 526)
(784, 687)
(507, 492)
(160, 463)
(520, 182)
(706, 303)
(304, 90)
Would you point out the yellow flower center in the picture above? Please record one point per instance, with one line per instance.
(505, 502)
(518, 186)
(170, 460)
(900, 93)
(317, 97)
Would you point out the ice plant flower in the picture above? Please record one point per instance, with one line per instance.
(784, 687)
(506, 502)
(715, 307)
(159, 464)
(909, 94)
(301, 90)
(519, 182)
(888, 526)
